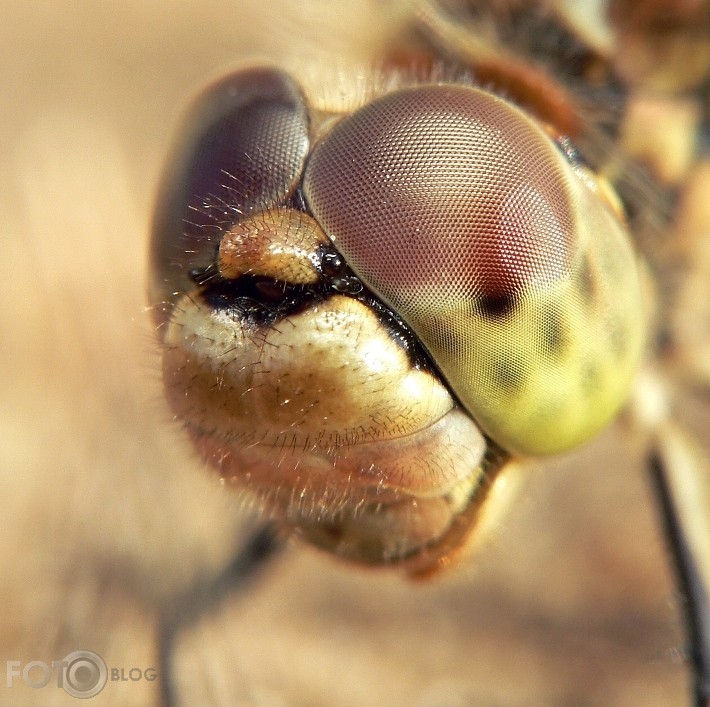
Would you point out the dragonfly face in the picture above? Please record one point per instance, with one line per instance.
(369, 315)
(365, 316)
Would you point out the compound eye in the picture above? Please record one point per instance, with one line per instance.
(461, 213)
(241, 148)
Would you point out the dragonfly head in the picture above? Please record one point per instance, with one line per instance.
(364, 318)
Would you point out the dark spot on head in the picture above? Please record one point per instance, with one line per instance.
(508, 375)
(587, 281)
(589, 377)
(554, 334)
(617, 336)
(497, 306)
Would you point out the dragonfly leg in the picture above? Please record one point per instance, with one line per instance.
(692, 585)
(252, 557)
(680, 480)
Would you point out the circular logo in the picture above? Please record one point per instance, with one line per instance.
(85, 674)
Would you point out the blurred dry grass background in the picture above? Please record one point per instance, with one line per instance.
(106, 514)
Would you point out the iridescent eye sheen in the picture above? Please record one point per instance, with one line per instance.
(461, 213)
(242, 149)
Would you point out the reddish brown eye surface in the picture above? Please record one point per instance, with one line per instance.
(243, 148)
(442, 184)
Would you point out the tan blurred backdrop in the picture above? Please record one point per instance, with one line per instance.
(106, 514)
